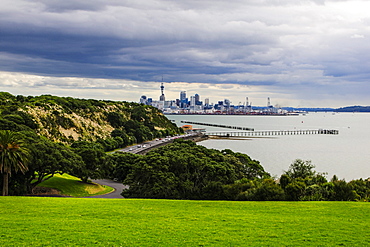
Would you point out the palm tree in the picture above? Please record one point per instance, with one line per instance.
(13, 156)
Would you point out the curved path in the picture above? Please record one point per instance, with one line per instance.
(118, 187)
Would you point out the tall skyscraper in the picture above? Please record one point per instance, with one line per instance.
(192, 101)
(197, 98)
(227, 102)
(162, 97)
(182, 95)
(183, 99)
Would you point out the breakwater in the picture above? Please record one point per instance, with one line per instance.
(219, 125)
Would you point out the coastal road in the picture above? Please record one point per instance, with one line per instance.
(118, 187)
(148, 145)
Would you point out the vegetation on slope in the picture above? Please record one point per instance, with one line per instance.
(68, 135)
(66, 119)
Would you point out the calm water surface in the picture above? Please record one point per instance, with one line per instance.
(346, 155)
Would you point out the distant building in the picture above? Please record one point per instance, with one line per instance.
(197, 98)
(143, 100)
(227, 103)
(195, 105)
(162, 97)
(183, 100)
(182, 95)
(187, 127)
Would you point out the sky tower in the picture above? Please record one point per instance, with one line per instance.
(162, 97)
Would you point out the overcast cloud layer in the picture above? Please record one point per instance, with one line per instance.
(298, 52)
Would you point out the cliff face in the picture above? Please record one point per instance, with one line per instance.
(66, 119)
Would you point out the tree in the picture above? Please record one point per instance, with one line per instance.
(13, 156)
(301, 169)
(48, 158)
(295, 190)
(122, 164)
(344, 191)
(96, 161)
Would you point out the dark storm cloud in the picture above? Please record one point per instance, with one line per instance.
(291, 45)
(148, 44)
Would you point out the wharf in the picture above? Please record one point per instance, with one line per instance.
(272, 133)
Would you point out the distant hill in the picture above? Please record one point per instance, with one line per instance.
(66, 119)
(354, 109)
(342, 109)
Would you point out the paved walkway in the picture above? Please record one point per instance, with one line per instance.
(118, 187)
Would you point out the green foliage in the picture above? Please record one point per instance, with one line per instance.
(14, 157)
(184, 170)
(301, 169)
(362, 188)
(122, 138)
(252, 168)
(115, 119)
(344, 191)
(254, 190)
(302, 183)
(295, 190)
(65, 122)
(96, 162)
(66, 119)
(46, 159)
(122, 164)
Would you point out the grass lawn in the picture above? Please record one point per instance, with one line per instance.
(33, 221)
(72, 186)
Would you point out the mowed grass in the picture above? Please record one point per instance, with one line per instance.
(71, 186)
(32, 221)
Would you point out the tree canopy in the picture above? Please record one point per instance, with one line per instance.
(184, 170)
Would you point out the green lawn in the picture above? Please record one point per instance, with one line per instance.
(32, 221)
(71, 186)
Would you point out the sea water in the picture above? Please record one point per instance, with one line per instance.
(346, 155)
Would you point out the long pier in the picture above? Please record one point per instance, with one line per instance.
(272, 133)
(219, 125)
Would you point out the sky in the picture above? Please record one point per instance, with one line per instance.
(299, 53)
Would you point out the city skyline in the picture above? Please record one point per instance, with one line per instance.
(185, 97)
(301, 53)
(192, 104)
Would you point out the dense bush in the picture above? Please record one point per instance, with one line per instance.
(184, 170)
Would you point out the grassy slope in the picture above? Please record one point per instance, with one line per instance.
(29, 221)
(72, 186)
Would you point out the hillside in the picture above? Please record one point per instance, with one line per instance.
(66, 119)
(354, 109)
